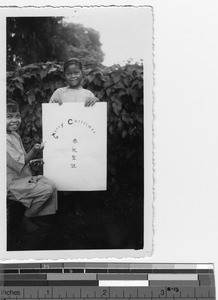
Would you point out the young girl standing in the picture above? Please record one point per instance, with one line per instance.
(37, 193)
(74, 92)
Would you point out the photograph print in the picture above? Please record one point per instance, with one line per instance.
(79, 130)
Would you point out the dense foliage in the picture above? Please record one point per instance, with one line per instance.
(42, 39)
(120, 87)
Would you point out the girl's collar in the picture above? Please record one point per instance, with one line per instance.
(10, 132)
(74, 88)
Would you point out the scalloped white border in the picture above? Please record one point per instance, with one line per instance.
(148, 138)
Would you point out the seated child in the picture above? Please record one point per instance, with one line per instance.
(74, 92)
(37, 193)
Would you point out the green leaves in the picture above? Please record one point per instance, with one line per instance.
(135, 94)
(19, 85)
(116, 78)
(52, 69)
(120, 87)
(117, 106)
(31, 97)
(18, 78)
(109, 82)
(43, 73)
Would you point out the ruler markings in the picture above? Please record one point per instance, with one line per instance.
(71, 276)
(51, 265)
(111, 265)
(119, 266)
(12, 277)
(140, 266)
(29, 271)
(174, 271)
(170, 283)
(163, 266)
(182, 277)
(206, 298)
(204, 271)
(122, 283)
(80, 270)
(73, 283)
(120, 271)
(9, 271)
(74, 265)
(25, 283)
(204, 266)
(96, 270)
(166, 292)
(73, 271)
(141, 271)
(154, 298)
(122, 277)
(206, 280)
(50, 271)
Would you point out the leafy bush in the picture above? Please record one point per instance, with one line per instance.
(120, 87)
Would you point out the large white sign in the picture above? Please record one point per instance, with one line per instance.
(75, 153)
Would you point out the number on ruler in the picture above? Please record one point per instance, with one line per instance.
(104, 293)
(44, 266)
(162, 292)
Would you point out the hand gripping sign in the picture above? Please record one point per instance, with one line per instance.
(75, 153)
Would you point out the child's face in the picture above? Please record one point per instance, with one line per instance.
(13, 121)
(73, 76)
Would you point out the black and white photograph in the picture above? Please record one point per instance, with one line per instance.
(78, 130)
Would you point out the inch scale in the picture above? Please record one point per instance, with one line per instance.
(106, 281)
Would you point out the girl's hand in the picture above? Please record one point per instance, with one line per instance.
(36, 162)
(38, 147)
(91, 101)
(59, 101)
(33, 152)
(42, 145)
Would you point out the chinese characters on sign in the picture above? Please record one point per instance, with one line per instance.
(74, 151)
(76, 146)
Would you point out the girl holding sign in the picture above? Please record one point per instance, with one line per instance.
(74, 92)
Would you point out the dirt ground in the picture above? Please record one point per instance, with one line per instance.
(85, 220)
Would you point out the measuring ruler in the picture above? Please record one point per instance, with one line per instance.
(106, 281)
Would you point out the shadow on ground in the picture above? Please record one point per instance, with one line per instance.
(85, 220)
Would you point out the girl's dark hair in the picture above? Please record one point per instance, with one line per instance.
(72, 61)
(12, 106)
